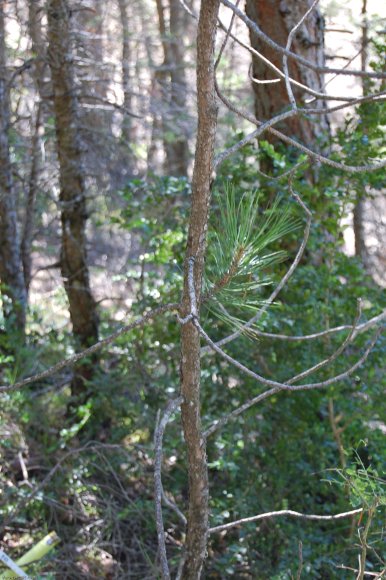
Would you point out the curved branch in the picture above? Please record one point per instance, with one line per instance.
(158, 489)
(284, 513)
(267, 40)
(276, 387)
(317, 156)
(358, 330)
(349, 338)
(94, 348)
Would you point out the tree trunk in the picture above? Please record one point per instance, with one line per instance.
(126, 76)
(11, 267)
(360, 205)
(42, 89)
(277, 18)
(29, 218)
(73, 258)
(197, 529)
(178, 105)
(171, 78)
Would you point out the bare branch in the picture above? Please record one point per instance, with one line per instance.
(90, 446)
(300, 566)
(94, 348)
(276, 387)
(358, 330)
(252, 136)
(275, 69)
(349, 338)
(228, 33)
(173, 506)
(284, 513)
(267, 40)
(376, 575)
(288, 47)
(374, 98)
(158, 439)
(317, 156)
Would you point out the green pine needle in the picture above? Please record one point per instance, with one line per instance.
(238, 254)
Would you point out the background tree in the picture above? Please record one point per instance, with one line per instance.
(277, 19)
(73, 259)
(11, 267)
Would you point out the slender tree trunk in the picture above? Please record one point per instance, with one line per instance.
(126, 64)
(178, 105)
(11, 267)
(41, 87)
(73, 259)
(359, 208)
(277, 18)
(29, 218)
(197, 530)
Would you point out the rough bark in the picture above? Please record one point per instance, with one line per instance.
(11, 268)
(197, 529)
(73, 258)
(277, 18)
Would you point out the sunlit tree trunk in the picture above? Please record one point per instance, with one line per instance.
(277, 18)
(11, 267)
(197, 529)
(73, 259)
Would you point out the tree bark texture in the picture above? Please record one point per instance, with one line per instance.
(197, 529)
(277, 18)
(11, 267)
(73, 258)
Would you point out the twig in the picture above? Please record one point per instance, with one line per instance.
(173, 506)
(288, 47)
(334, 356)
(283, 513)
(94, 348)
(267, 40)
(358, 330)
(276, 387)
(336, 431)
(372, 574)
(90, 446)
(363, 541)
(300, 567)
(276, 384)
(158, 437)
(306, 88)
(252, 136)
(317, 156)
(228, 32)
